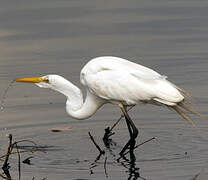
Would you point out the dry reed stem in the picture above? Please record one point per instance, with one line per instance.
(9, 152)
(96, 145)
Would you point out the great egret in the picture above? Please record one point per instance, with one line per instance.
(118, 81)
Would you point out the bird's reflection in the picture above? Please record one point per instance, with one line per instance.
(132, 169)
(133, 172)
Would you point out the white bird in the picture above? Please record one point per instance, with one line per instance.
(118, 81)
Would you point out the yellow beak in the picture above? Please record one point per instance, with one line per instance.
(31, 80)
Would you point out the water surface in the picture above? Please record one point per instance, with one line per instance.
(59, 37)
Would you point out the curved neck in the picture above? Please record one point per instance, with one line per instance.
(85, 109)
(75, 105)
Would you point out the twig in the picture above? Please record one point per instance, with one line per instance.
(23, 151)
(24, 140)
(114, 125)
(138, 146)
(96, 145)
(141, 144)
(6, 166)
(106, 174)
(19, 165)
(144, 142)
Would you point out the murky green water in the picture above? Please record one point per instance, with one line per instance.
(59, 37)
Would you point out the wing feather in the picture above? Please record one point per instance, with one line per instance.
(119, 86)
(122, 80)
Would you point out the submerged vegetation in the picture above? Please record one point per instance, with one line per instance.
(13, 149)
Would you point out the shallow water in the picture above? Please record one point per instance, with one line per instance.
(59, 37)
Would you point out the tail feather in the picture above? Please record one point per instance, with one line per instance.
(183, 114)
(189, 109)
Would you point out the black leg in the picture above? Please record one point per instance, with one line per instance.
(133, 132)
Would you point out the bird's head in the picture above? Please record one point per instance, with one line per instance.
(55, 82)
(60, 84)
(48, 81)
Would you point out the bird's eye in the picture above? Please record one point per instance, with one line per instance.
(46, 80)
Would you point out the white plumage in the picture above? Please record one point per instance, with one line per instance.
(115, 80)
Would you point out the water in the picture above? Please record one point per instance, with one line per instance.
(3, 98)
(59, 37)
